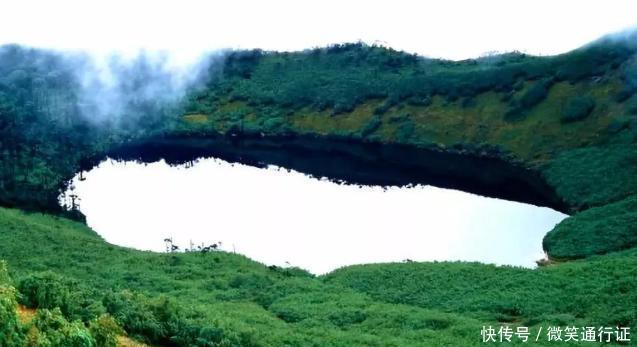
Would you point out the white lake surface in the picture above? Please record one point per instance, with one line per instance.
(284, 218)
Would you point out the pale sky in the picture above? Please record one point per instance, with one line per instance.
(453, 29)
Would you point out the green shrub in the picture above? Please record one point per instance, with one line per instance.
(371, 126)
(11, 334)
(45, 290)
(629, 74)
(105, 330)
(623, 94)
(289, 315)
(437, 323)
(535, 94)
(275, 125)
(618, 124)
(468, 102)
(343, 107)
(200, 336)
(241, 63)
(136, 314)
(161, 320)
(631, 106)
(5, 279)
(594, 176)
(595, 231)
(391, 101)
(55, 331)
(417, 100)
(405, 130)
(578, 108)
(49, 290)
(344, 318)
(515, 113)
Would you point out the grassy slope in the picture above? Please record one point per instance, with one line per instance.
(374, 305)
(227, 290)
(612, 227)
(573, 292)
(447, 123)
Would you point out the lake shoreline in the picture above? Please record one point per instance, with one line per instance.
(356, 162)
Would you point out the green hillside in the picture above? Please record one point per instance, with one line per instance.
(570, 120)
(223, 299)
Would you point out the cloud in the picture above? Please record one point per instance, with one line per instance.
(116, 86)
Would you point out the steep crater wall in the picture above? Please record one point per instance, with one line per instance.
(353, 162)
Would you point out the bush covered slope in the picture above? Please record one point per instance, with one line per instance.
(597, 230)
(205, 299)
(514, 102)
(48, 326)
(570, 118)
(222, 299)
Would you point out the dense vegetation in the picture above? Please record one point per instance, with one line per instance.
(45, 126)
(39, 120)
(223, 299)
(571, 118)
(563, 293)
(343, 77)
(51, 118)
(367, 92)
(49, 326)
(607, 228)
(183, 298)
